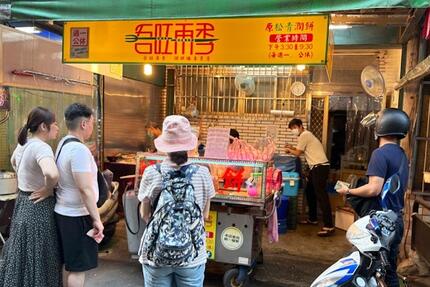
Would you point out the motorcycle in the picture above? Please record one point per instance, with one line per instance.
(371, 236)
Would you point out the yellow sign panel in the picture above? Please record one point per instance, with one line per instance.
(210, 226)
(254, 40)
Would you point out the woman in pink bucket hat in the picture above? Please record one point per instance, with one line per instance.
(176, 140)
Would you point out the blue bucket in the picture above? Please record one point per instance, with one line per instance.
(282, 226)
(282, 208)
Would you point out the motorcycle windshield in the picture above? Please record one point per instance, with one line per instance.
(360, 236)
(358, 230)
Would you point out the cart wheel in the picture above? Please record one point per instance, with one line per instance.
(230, 279)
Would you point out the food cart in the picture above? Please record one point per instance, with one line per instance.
(240, 208)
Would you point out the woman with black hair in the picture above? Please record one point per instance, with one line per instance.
(176, 140)
(31, 254)
(234, 134)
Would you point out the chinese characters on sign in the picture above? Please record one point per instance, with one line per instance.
(217, 143)
(210, 227)
(253, 40)
(291, 38)
(79, 42)
(190, 41)
(232, 238)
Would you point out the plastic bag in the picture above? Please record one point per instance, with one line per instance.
(262, 151)
(266, 148)
(241, 150)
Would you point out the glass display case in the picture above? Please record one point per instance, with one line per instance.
(236, 182)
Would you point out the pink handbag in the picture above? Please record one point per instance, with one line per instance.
(273, 180)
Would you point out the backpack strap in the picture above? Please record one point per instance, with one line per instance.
(158, 167)
(189, 170)
(72, 139)
(155, 203)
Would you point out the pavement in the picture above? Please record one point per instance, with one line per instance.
(295, 261)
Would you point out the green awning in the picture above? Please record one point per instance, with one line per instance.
(63, 10)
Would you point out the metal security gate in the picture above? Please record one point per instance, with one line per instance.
(316, 125)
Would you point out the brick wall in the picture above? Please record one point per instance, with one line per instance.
(250, 127)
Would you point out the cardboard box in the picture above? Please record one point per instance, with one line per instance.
(336, 201)
(344, 217)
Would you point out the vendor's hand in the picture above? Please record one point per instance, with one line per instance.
(288, 150)
(41, 194)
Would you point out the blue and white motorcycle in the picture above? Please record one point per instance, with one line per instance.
(371, 236)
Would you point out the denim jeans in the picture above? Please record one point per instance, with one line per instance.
(391, 278)
(173, 276)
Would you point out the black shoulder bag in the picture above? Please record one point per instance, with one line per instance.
(364, 205)
(101, 182)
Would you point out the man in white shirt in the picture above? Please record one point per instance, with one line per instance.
(76, 210)
(319, 165)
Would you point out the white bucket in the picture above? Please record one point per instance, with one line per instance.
(8, 186)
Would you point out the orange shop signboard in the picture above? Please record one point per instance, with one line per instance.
(253, 40)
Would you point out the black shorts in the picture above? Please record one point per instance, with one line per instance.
(79, 251)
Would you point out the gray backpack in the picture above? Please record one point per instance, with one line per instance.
(174, 235)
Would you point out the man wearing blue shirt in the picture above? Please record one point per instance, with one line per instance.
(389, 158)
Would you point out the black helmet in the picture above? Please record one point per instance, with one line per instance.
(392, 122)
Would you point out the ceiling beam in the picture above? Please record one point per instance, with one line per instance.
(418, 72)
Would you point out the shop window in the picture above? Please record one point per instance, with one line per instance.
(212, 89)
(261, 101)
